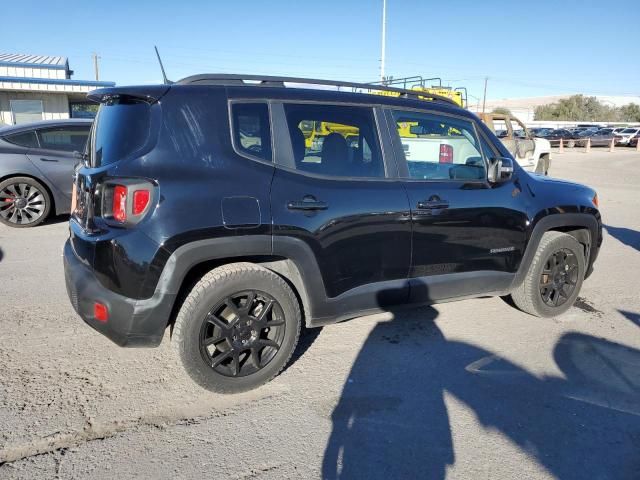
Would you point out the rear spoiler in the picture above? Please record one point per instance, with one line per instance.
(150, 94)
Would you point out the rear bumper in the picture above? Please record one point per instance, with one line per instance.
(131, 322)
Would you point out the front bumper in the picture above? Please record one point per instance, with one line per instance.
(131, 322)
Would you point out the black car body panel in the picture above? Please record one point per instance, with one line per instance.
(347, 245)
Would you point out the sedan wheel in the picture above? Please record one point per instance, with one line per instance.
(24, 202)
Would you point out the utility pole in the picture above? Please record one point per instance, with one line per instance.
(384, 34)
(95, 65)
(484, 98)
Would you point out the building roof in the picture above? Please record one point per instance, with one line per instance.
(42, 61)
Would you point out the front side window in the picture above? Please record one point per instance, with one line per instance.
(66, 139)
(500, 128)
(25, 111)
(24, 139)
(439, 147)
(518, 129)
(252, 129)
(335, 140)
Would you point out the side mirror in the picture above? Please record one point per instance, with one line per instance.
(500, 170)
(79, 155)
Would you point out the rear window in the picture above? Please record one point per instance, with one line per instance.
(120, 129)
(24, 139)
(65, 139)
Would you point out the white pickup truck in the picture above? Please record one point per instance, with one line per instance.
(533, 154)
(443, 157)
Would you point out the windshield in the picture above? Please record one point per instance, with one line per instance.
(629, 130)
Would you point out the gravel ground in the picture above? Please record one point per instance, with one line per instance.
(472, 389)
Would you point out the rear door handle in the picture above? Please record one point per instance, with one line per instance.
(307, 203)
(433, 204)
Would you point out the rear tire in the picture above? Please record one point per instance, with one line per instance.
(237, 328)
(24, 202)
(554, 278)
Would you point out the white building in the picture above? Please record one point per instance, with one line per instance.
(36, 87)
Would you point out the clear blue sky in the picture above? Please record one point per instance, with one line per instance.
(537, 47)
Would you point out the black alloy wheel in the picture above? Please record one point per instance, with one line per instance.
(559, 278)
(242, 333)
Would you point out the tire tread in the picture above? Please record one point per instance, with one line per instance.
(218, 276)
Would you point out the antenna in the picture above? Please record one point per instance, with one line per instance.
(164, 75)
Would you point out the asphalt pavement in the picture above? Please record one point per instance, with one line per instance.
(467, 390)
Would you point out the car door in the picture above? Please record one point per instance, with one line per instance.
(333, 198)
(503, 130)
(524, 144)
(55, 158)
(468, 235)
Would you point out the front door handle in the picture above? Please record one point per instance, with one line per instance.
(433, 204)
(48, 159)
(307, 203)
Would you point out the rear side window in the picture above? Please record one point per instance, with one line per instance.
(24, 139)
(335, 140)
(251, 129)
(439, 147)
(120, 129)
(66, 139)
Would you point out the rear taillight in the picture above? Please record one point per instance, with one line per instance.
(119, 204)
(446, 153)
(127, 201)
(140, 201)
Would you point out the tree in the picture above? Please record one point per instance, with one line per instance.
(581, 108)
(630, 113)
(576, 107)
(502, 111)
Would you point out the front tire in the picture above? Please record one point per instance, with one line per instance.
(554, 278)
(237, 328)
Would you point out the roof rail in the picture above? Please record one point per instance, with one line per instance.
(271, 81)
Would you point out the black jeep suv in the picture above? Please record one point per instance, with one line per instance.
(238, 209)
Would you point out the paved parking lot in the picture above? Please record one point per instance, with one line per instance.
(473, 389)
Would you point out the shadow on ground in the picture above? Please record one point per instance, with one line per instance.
(392, 422)
(54, 219)
(634, 317)
(629, 237)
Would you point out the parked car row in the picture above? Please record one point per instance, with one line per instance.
(579, 136)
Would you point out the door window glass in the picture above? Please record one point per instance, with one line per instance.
(518, 129)
(500, 128)
(66, 139)
(25, 111)
(339, 141)
(24, 139)
(439, 147)
(251, 129)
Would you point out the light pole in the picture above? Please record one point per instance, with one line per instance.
(384, 34)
